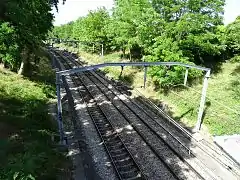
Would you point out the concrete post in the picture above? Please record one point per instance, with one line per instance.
(59, 108)
(186, 76)
(202, 102)
(145, 76)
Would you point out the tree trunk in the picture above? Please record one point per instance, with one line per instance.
(123, 50)
(25, 56)
(2, 65)
(2, 9)
(20, 71)
(130, 55)
(5, 65)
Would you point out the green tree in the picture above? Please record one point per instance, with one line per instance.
(9, 50)
(233, 38)
(193, 24)
(190, 35)
(26, 24)
(130, 25)
(91, 29)
(188, 31)
(65, 31)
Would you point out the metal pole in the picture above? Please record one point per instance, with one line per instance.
(120, 75)
(186, 76)
(102, 50)
(202, 102)
(145, 76)
(59, 108)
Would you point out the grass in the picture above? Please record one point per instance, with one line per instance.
(26, 148)
(221, 115)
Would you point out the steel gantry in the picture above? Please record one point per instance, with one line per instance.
(59, 75)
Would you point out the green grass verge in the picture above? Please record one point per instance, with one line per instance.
(26, 149)
(221, 115)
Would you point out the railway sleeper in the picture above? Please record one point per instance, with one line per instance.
(126, 167)
(122, 155)
(119, 150)
(130, 173)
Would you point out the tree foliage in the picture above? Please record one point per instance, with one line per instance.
(23, 26)
(188, 31)
(9, 50)
(233, 37)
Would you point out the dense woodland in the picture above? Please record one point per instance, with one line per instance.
(189, 31)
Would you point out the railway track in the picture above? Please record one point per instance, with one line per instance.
(122, 160)
(162, 144)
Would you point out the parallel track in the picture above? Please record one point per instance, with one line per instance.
(122, 160)
(174, 172)
(97, 78)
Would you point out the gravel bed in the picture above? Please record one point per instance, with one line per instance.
(151, 166)
(92, 141)
(208, 167)
(214, 164)
(164, 152)
(180, 168)
(87, 142)
(202, 160)
(181, 150)
(203, 163)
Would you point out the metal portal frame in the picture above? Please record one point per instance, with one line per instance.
(207, 71)
(76, 42)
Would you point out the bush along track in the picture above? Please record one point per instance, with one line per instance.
(26, 147)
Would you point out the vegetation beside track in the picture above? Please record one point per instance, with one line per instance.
(26, 128)
(180, 31)
(190, 32)
(221, 114)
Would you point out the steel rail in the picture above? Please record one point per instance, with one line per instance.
(189, 136)
(187, 133)
(174, 151)
(145, 64)
(193, 154)
(179, 156)
(154, 132)
(146, 141)
(141, 135)
(105, 141)
(100, 132)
